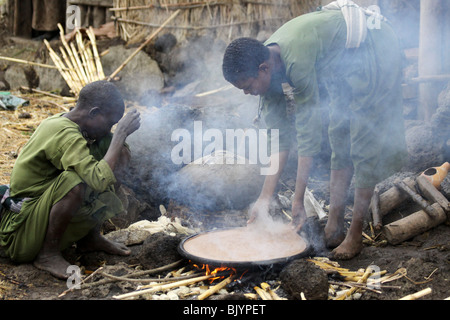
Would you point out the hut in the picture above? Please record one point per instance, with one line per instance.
(224, 19)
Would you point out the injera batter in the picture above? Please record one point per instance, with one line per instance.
(246, 244)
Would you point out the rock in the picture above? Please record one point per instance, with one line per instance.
(303, 276)
(140, 75)
(128, 237)
(158, 250)
(15, 76)
(423, 149)
(50, 79)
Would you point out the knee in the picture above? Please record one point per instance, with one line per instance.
(76, 195)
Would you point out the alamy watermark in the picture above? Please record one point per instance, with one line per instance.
(74, 279)
(250, 145)
(73, 17)
(374, 17)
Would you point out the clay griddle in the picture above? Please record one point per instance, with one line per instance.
(243, 246)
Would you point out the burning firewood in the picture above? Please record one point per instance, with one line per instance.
(216, 288)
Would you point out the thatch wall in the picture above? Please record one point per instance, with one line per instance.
(225, 19)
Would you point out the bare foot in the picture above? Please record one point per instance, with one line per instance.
(53, 263)
(334, 236)
(98, 242)
(347, 250)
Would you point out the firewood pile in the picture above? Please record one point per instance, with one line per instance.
(424, 192)
(80, 63)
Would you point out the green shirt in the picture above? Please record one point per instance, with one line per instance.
(56, 159)
(364, 90)
(56, 146)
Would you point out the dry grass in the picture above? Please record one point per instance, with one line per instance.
(15, 129)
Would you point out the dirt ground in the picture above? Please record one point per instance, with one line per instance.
(426, 257)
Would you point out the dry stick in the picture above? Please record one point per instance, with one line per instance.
(143, 45)
(79, 65)
(163, 287)
(67, 99)
(417, 199)
(376, 216)
(83, 281)
(273, 295)
(82, 52)
(262, 293)
(58, 63)
(366, 275)
(136, 274)
(98, 62)
(215, 288)
(153, 279)
(28, 62)
(431, 193)
(90, 58)
(417, 295)
(73, 73)
(71, 56)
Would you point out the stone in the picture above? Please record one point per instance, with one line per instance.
(159, 250)
(303, 276)
(15, 76)
(140, 75)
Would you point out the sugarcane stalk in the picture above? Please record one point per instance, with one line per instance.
(90, 56)
(72, 71)
(98, 62)
(79, 65)
(82, 53)
(417, 295)
(349, 292)
(162, 287)
(58, 63)
(263, 294)
(216, 288)
(72, 53)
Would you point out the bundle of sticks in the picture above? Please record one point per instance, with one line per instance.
(80, 64)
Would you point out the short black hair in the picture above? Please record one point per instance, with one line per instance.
(102, 94)
(242, 59)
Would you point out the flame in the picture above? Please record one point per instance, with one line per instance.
(216, 271)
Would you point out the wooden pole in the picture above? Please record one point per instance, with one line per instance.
(392, 198)
(431, 193)
(142, 46)
(29, 63)
(430, 54)
(413, 225)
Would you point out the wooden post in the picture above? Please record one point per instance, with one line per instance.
(412, 225)
(392, 198)
(430, 54)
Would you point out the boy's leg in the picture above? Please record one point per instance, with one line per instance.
(49, 257)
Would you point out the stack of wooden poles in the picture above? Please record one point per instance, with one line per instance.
(79, 64)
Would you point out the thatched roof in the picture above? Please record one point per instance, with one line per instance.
(225, 19)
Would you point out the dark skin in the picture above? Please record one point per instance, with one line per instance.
(95, 123)
(347, 245)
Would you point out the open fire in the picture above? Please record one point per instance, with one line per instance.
(220, 272)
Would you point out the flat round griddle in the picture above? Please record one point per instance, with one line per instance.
(244, 247)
